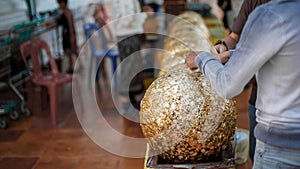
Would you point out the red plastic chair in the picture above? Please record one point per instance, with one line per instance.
(51, 80)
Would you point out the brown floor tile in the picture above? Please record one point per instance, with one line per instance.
(64, 109)
(65, 148)
(42, 122)
(64, 112)
(10, 135)
(15, 163)
(114, 142)
(92, 148)
(55, 162)
(23, 123)
(99, 162)
(22, 149)
(123, 125)
(116, 121)
(37, 135)
(131, 163)
(69, 135)
(71, 122)
(135, 132)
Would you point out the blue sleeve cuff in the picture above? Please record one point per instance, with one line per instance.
(202, 59)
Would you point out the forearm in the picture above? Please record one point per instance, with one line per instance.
(222, 81)
(252, 52)
(231, 40)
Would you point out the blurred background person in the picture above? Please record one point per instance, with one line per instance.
(215, 8)
(96, 12)
(128, 25)
(68, 32)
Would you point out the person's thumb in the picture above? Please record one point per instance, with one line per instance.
(224, 57)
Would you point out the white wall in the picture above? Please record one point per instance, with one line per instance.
(12, 12)
(15, 11)
(44, 5)
(11, 5)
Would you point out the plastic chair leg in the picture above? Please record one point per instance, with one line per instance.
(44, 96)
(53, 104)
(30, 95)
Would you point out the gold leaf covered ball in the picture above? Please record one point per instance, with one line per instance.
(162, 72)
(189, 18)
(187, 41)
(179, 48)
(184, 120)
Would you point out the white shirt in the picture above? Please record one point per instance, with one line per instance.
(270, 48)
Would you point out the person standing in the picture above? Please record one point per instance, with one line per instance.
(269, 48)
(229, 43)
(68, 32)
(128, 25)
(95, 12)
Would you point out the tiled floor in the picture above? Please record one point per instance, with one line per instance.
(34, 143)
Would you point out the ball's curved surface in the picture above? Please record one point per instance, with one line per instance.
(184, 119)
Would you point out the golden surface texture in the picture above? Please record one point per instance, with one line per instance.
(184, 119)
(189, 18)
(178, 48)
(184, 35)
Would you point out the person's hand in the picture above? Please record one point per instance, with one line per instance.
(223, 56)
(220, 48)
(190, 60)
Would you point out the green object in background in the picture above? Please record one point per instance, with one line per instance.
(8, 106)
(5, 41)
(23, 31)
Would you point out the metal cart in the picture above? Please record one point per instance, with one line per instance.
(17, 81)
(10, 107)
(6, 106)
